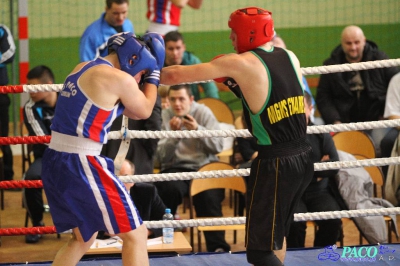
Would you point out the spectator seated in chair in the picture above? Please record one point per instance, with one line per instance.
(38, 114)
(317, 197)
(188, 155)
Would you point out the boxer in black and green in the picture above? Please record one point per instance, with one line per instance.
(269, 82)
(283, 169)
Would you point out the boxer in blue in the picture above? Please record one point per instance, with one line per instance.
(83, 192)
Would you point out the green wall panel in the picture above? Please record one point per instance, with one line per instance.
(60, 54)
(312, 46)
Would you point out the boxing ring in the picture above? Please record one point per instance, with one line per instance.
(386, 254)
(294, 257)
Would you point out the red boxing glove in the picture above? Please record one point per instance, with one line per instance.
(219, 80)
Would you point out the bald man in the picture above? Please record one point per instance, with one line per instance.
(353, 43)
(355, 96)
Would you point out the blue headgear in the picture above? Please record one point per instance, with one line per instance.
(133, 54)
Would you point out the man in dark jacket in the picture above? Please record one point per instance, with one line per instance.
(38, 115)
(7, 52)
(355, 96)
(145, 196)
(149, 204)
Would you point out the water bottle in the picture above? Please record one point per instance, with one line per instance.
(168, 232)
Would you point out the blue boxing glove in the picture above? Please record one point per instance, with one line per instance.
(157, 48)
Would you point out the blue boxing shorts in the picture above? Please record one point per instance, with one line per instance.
(83, 191)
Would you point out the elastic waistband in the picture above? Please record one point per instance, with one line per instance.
(71, 144)
(166, 27)
(283, 149)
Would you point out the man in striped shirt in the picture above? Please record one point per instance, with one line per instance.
(165, 15)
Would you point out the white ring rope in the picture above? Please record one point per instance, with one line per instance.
(184, 175)
(311, 216)
(246, 171)
(182, 134)
(353, 126)
(350, 67)
(305, 71)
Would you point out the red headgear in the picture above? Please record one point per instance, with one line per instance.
(253, 27)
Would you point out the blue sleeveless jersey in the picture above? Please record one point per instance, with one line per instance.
(77, 115)
(81, 187)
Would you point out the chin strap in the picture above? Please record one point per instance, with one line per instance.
(124, 146)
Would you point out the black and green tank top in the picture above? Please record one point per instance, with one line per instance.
(282, 118)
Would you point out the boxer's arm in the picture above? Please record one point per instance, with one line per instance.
(221, 67)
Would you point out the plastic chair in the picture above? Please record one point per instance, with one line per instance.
(236, 184)
(238, 122)
(355, 142)
(221, 110)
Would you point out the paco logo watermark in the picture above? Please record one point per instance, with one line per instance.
(358, 254)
